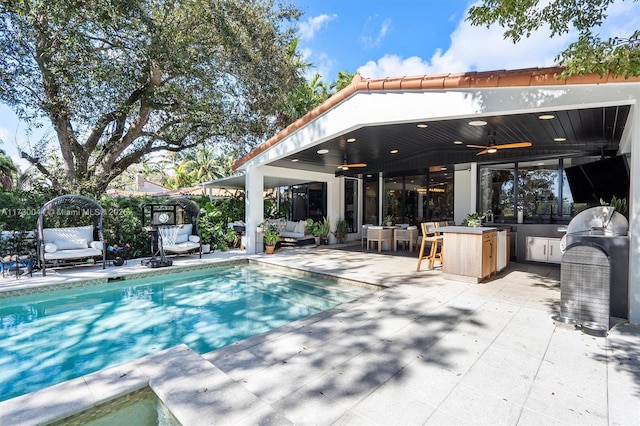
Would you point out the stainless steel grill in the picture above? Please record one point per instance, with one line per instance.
(594, 270)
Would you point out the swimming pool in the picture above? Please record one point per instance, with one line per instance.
(55, 336)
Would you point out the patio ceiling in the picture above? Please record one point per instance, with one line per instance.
(587, 131)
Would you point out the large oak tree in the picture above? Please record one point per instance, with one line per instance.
(121, 79)
(590, 53)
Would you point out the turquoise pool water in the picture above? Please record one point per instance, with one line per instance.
(51, 337)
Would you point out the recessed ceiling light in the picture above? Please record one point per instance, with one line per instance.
(369, 175)
(294, 160)
(351, 140)
(492, 150)
(477, 123)
(394, 151)
(322, 151)
(547, 117)
(457, 142)
(422, 125)
(559, 139)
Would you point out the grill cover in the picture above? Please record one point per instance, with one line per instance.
(601, 220)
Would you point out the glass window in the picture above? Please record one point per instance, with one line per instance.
(416, 208)
(538, 190)
(393, 193)
(371, 200)
(351, 203)
(497, 191)
(440, 195)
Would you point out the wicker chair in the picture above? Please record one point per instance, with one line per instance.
(184, 237)
(69, 243)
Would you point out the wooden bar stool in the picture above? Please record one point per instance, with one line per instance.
(429, 234)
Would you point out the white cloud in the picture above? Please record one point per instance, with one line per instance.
(372, 36)
(394, 65)
(485, 49)
(473, 48)
(311, 26)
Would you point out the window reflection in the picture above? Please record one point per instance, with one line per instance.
(497, 191)
(420, 197)
(538, 190)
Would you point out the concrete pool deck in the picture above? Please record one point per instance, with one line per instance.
(421, 351)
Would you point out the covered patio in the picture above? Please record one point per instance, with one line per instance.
(449, 126)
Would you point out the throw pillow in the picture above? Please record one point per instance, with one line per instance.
(50, 248)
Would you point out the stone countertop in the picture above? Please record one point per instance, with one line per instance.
(466, 229)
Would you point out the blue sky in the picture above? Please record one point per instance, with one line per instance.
(382, 38)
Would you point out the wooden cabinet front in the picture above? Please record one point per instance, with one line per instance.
(469, 257)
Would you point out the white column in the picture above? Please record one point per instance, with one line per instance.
(464, 193)
(381, 214)
(334, 211)
(634, 218)
(254, 206)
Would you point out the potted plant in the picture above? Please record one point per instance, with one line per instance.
(271, 238)
(313, 229)
(342, 229)
(388, 220)
(207, 232)
(473, 219)
(324, 229)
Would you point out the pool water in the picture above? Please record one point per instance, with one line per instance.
(52, 337)
(143, 408)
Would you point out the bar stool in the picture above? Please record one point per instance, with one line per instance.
(429, 234)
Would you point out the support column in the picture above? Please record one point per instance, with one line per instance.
(634, 218)
(254, 206)
(333, 203)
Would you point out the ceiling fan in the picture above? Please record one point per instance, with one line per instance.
(492, 148)
(346, 166)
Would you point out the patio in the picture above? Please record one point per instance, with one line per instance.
(421, 351)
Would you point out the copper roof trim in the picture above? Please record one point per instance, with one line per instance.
(498, 78)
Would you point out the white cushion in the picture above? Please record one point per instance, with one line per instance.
(50, 248)
(71, 244)
(300, 227)
(194, 238)
(71, 233)
(96, 245)
(182, 238)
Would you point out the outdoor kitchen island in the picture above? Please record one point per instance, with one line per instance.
(469, 252)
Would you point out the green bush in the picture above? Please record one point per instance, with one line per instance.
(122, 219)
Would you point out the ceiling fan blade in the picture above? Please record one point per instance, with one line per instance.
(513, 145)
(348, 165)
(484, 151)
(477, 146)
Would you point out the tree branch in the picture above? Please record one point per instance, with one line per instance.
(42, 169)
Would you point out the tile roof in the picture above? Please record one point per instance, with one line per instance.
(479, 79)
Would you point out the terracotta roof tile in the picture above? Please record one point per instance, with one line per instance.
(498, 78)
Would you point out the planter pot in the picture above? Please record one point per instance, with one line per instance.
(206, 248)
(118, 261)
(317, 240)
(270, 249)
(324, 241)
